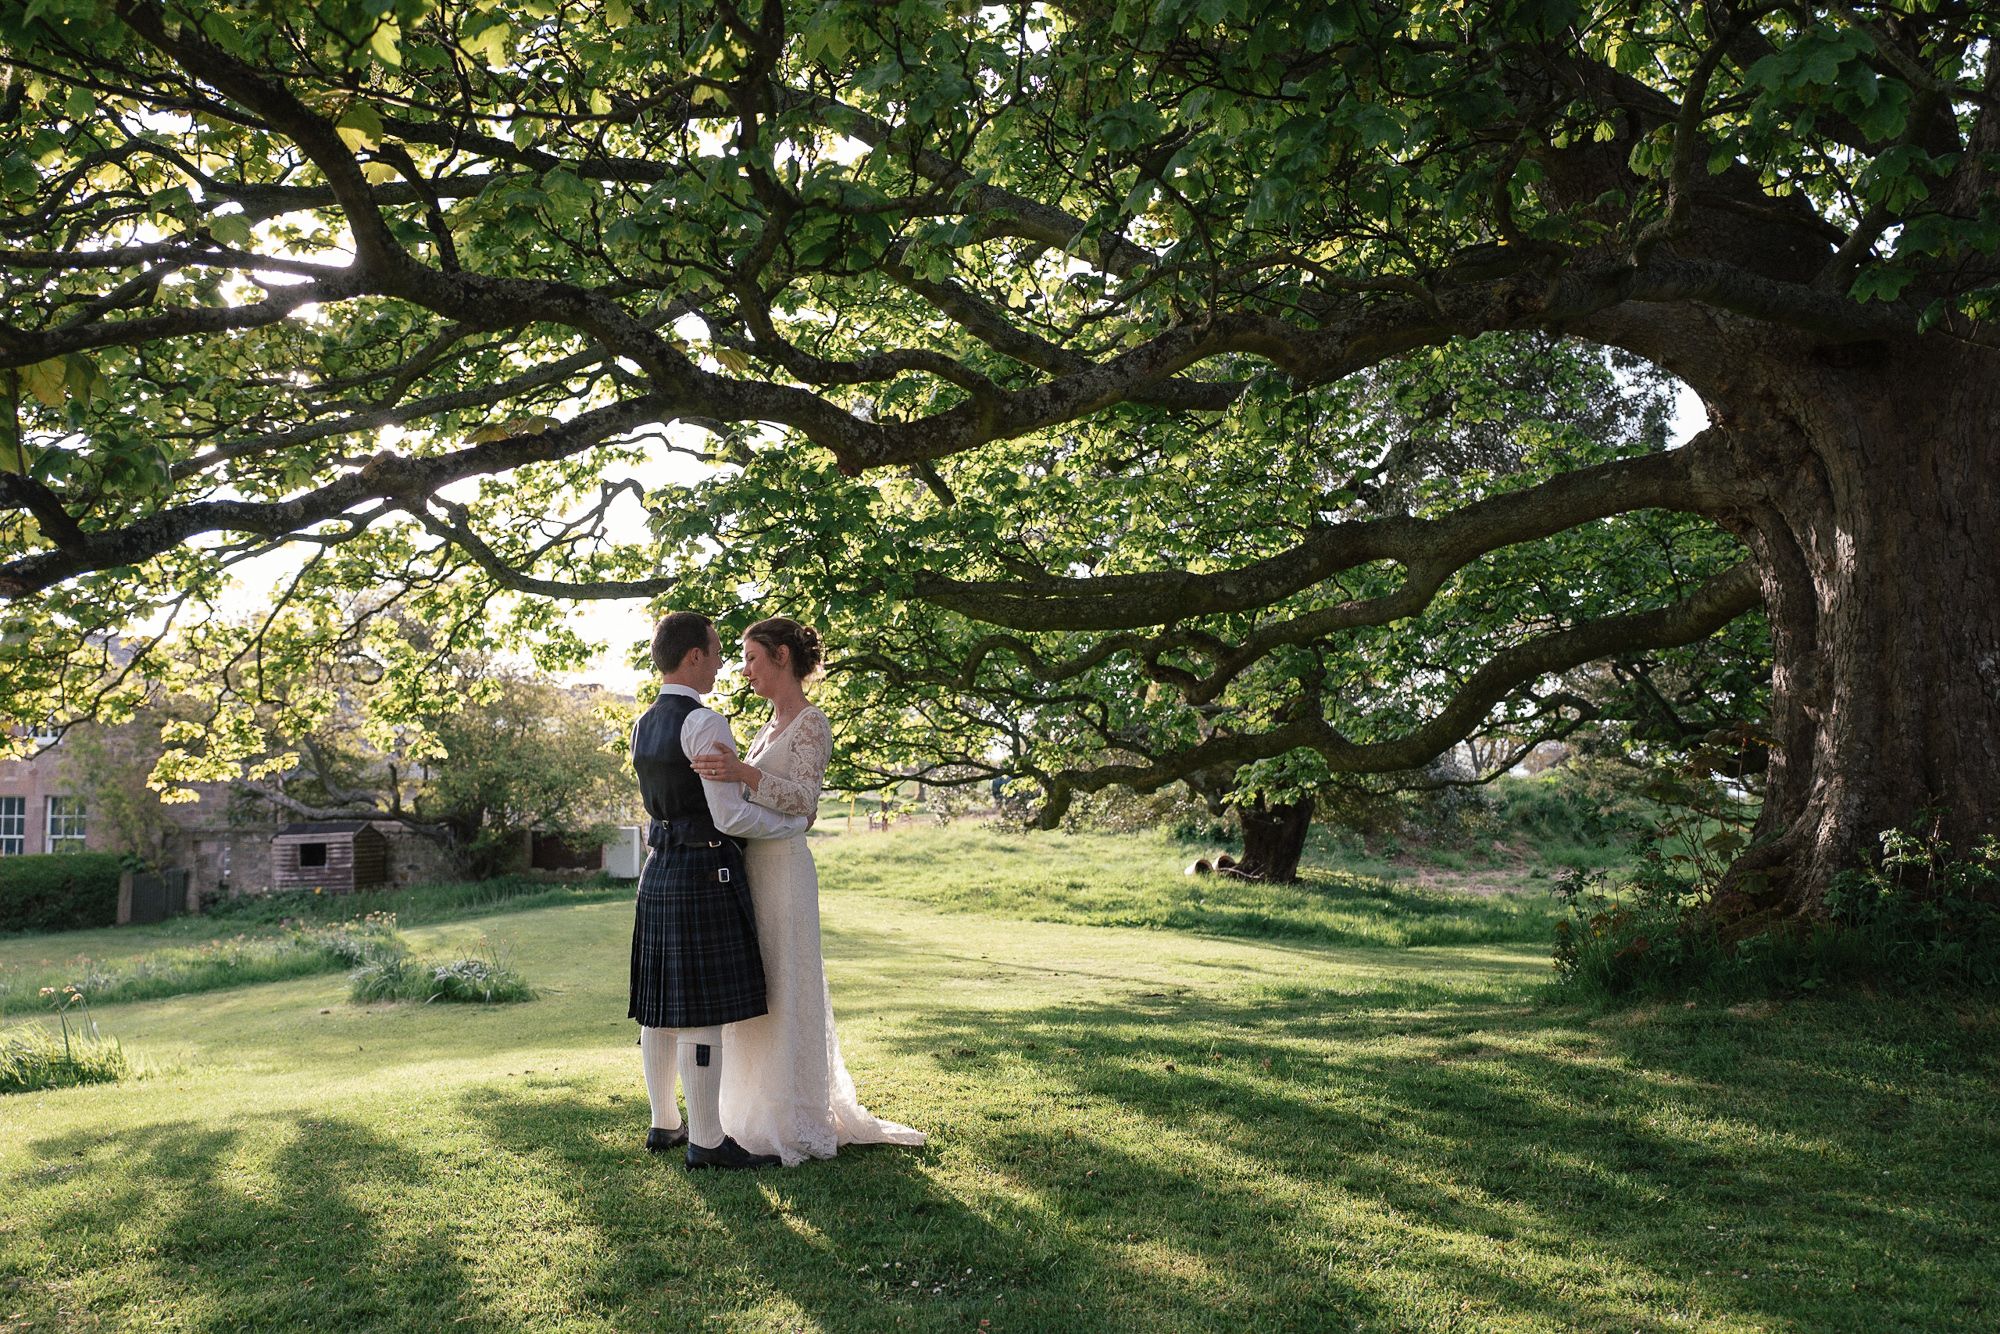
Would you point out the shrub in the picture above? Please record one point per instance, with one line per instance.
(1569, 808)
(1646, 940)
(1117, 810)
(61, 891)
(1922, 916)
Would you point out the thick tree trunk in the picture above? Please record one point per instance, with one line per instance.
(1867, 483)
(1274, 838)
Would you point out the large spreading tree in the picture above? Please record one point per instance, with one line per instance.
(289, 271)
(933, 693)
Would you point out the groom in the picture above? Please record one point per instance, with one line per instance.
(695, 965)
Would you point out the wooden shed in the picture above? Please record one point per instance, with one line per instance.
(338, 856)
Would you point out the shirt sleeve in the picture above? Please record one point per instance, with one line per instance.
(726, 806)
(794, 789)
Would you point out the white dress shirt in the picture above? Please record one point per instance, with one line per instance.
(727, 803)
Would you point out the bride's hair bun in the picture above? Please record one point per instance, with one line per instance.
(802, 642)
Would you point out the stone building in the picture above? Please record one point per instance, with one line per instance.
(43, 807)
(86, 789)
(224, 837)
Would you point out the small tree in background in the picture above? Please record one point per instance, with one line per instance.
(525, 755)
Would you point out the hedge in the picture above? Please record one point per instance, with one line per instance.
(59, 891)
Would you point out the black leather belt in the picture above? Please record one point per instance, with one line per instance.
(685, 832)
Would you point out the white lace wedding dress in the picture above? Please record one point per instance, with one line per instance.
(785, 1089)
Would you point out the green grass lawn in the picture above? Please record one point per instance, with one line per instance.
(1137, 880)
(1144, 1116)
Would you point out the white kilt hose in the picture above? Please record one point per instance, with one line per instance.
(694, 936)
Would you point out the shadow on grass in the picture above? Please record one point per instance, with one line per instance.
(236, 1235)
(1382, 1163)
(868, 1241)
(1516, 1160)
(1385, 1160)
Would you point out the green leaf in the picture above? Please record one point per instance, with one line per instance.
(1879, 282)
(386, 42)
(44, 380)
(230, 229)
(82, 378)
(1887, 114)
(491, 45)
(359, 127)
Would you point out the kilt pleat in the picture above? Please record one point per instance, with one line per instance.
(694, 940)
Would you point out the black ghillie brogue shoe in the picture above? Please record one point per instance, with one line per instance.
(659, 1141)
(727, 1154)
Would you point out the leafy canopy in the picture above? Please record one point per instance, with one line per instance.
(1054, 318)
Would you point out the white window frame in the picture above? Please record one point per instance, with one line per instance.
(13, 826)
(67, 824)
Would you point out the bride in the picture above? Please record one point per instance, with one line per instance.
(785, 1089)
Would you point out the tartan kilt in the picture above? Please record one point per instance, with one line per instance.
(694, 940)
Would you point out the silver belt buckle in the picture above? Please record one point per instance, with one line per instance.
(716, 844)
(722, 875)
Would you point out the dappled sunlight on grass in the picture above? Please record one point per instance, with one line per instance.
(1130, 1128)
(1486, 1139)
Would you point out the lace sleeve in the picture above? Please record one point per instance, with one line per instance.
(795, 789)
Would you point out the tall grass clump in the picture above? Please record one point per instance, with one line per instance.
(475, 980)
(32, 1059)
(304, 950)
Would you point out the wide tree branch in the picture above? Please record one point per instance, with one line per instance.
(1430, 550)
(375, 248)
(24, 347)
(1716, 603)
(407, 480)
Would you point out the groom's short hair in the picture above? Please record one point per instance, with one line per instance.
(678, 634)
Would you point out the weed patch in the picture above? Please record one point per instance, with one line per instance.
(235, 961)
(1921, 918)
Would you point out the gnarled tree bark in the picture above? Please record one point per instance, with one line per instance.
(1867, 485)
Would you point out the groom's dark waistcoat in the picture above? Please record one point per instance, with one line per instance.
(694, 934)
(668, 784)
